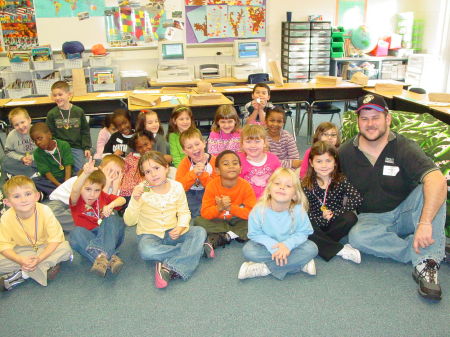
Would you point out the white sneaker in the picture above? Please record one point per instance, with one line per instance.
(253, 269)
(350, 253)
(310, 268)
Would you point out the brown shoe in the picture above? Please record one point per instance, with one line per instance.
(100, 265)
(53, 271)
(115, 264)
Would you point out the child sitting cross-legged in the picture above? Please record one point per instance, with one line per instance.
(32, 242)
(196, 169)
(98, 232)
(278, 229)
(227, 202)
(159, 208)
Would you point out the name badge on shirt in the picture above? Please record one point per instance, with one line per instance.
(118, 140)
(389, 170)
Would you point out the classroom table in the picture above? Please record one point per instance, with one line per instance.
(201, 110)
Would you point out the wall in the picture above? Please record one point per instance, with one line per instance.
(380, 14)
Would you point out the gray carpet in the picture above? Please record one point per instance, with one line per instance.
(376, 298)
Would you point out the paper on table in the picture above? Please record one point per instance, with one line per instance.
(20, 102)
(112, 94)
(166, 98)
(154, 91)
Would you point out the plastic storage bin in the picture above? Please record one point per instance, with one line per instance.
(19, 93)
(43, 65)
(20, 66)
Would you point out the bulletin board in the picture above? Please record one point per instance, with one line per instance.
(118, 23)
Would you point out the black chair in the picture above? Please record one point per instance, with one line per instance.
(324, 108)
(258, 78)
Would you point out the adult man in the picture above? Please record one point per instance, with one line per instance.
(402, 216)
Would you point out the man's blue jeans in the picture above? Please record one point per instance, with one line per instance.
(105, 238)
(181, 255)
(391, 234)
(299, 256)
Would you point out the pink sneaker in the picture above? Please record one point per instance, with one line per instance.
(162, 276)
(208, 251)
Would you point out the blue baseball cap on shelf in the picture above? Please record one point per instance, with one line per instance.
(73, 49)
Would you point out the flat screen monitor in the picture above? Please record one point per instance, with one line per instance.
(247, 51)
(171, 53)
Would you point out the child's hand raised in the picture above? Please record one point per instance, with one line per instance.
(89, 167)
(137, 192)
(281, 255)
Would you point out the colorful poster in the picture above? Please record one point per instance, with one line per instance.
(18, 24)
(144, 25)
(213, 21)
(69, 8)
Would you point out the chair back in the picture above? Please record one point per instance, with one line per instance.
(258, 78)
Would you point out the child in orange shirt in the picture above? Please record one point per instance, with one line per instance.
(196, 170)
(227, 202)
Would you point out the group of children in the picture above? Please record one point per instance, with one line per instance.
(246, 187)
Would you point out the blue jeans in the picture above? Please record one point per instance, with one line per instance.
(194, 199)
(391, 234)
(17, 167)
(78, 160)
(299, 256)
(44, 185)
(105, 238)
(181, 255)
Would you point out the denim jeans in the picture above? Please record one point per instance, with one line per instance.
(181, 255)
(299, 256)
(105, 238)
(391, 234)
(194, 199)
(44, 185)
(78, 160)
(17, 167)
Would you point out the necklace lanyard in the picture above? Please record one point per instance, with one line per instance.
(66, 123)
(148, 187)
(33, 244)
(323, 207)
(97, 214)
(61, 166)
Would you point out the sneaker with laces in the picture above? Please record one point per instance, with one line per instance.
(218, 239)
(253, 269)
(115, 264)
(208, 250)
(350, 253)
(426, 275)
(310, 268)
(100, 265)
(10, 281)
(53, 271)
(162, 275)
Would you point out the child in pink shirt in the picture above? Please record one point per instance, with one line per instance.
(225, 133)
(257, 163)
(104, 135)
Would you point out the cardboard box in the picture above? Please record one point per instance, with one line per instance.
(205, 99)
(204, 87)
(391, 88)
(328, 80)
(144, 99)
(439, 97)
(360, 78)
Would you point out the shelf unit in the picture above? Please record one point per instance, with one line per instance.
(382, 64)
(305, 49)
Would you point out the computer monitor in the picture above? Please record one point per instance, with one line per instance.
(171, 53)
(247, 51)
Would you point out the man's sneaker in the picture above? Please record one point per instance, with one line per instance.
(310, 268)
(426, 275)
(253, 269)
(218, 239)
(10, 281)
(350, 253)
(115, 264)
(208, 251)
(53, 271)
(162, 275)
(100, 265)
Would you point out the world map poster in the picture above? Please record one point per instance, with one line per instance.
(69, 8)
(214, 21)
